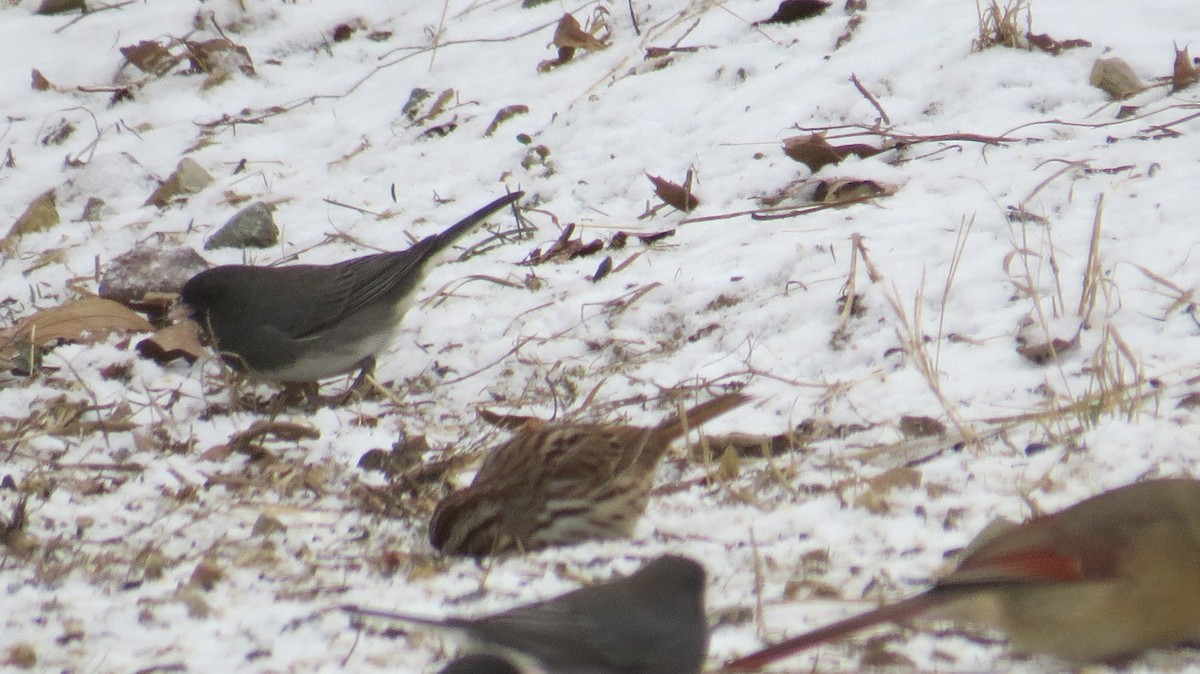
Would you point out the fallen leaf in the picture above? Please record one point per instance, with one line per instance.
(796, 10)
(1049, 45)
(39, 216)
(85, 321)
(564, 248)
(677, 196)
(815, 152)
(603, 270)
(570, 35)
(178, 340)
(150, 57)
(506, 113)
(39, 81)
(1185, 73)
(1038, 346)
(921, 427)
(49, 7)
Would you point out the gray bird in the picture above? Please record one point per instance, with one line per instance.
(651, 622)
(302, 323)
(481, 663)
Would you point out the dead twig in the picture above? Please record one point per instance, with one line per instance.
(870, 99)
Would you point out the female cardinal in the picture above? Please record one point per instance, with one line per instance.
(1101, 581)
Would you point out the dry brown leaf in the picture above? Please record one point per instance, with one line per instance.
(49, 7)
(815, 152)
(796, 10)
(564, 248)
(677, 196)
(921, 427)
(150, 57)
(178, 340)
(1185, 73)
(1044, 42)
(39, 216)
(87, 320)
(570, 35)
(1044, 352)
(39, 81)
(506, 113)
(1035, 344)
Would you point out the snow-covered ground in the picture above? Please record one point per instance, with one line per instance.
(146, 548)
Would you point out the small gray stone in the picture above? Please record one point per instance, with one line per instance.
(252, 227)
(152, 269)
(1116, 78)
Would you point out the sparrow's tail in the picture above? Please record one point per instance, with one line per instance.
(675, 426)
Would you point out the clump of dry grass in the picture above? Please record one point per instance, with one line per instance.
(999, 26)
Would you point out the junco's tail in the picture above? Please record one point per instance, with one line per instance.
(440, 623)
(437, 242)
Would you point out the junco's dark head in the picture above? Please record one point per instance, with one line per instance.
(651, 622)
(303, 323)
(481, 663)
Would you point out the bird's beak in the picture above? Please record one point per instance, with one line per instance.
(179, 311)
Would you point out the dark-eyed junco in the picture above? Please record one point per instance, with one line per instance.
(651, 622)
(302, 323)
(481, 663)
(1101, 581)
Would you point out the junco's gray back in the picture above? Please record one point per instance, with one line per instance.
(302, 323)
(651, 622)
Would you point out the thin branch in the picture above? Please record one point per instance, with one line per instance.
(870, 99)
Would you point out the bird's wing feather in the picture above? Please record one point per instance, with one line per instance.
(364, 281)
(561, 636)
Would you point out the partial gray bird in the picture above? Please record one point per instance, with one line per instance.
(651, 622)
(481, 663)
(302, 323)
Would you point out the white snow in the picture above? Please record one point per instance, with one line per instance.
(123, 504)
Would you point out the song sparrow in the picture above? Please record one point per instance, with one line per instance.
(557, 484)
(651, 622)
(1101, 581)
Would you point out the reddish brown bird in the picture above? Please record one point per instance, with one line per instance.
(558, 484)
(1102, 581)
